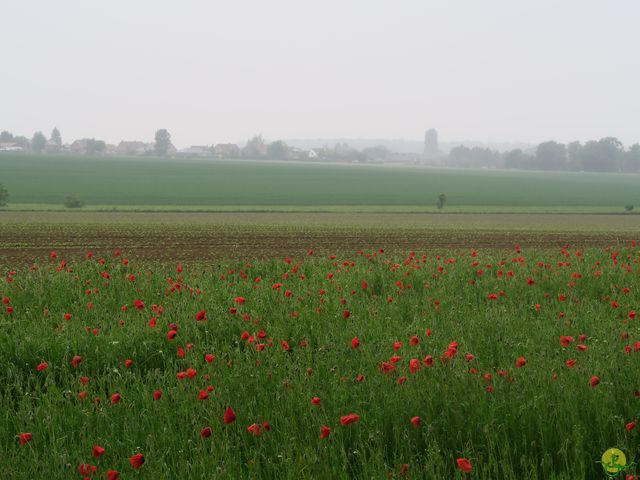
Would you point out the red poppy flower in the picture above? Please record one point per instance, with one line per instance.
(565, 340)
(416, 421)
(315, 401)
(157, 394)
(98, 451)
(128, 363)
(285, 345)
(203, 395)
(239, 300)
(136, 460)
(205, 432)
(209, 358)
(571, 363)
(464, 465)
(229, 416)
(77, 360)
(255, 429)
(113, 475)
(201, 315)
(346, 314)
(428, 361)
(629, 426)
(115, 398)
(355, 342)
(171, 335)
(595, 380)
(414, 365)
(324, 431)
(25, 438)
(42, 366)
(414, 341)
(521, 362)
(348, 419)
(139, 304)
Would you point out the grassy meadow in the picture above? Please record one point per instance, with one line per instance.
(104, 183)
(455, 364)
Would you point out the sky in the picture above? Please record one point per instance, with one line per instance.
(222, 71)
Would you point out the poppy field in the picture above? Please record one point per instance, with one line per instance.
(504, 362)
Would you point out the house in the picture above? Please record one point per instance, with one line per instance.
(132, 148)
(227, 150)
(10, 147)
(52, 147)
(79, 147)
(194, 151)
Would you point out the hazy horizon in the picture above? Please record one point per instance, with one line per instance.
(494, 72)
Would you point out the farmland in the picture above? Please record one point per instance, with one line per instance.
(508, 362)
(242, 185)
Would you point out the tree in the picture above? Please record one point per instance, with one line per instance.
(551, 156)
(442, 199)
(163, 142)
(632, 159)
(4, 196)
(94, 146)
(38, 142)
(55, 137)
(6, 137)
(278, 150)
(517, 159)
(255, 147)
(431, 143)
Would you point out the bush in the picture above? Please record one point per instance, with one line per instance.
(71, 201)
(628, 208)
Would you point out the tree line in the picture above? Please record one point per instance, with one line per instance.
(605, 155)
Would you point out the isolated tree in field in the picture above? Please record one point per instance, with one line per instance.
(6, 137)
(163, 142)
(278, 150)
(56, 137)
(442, 199)
(38, 142)
(4, 196)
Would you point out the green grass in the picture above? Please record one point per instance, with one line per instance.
(151, 183)
(542, 421)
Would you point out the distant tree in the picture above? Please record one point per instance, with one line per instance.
(278, 150)
(605, 155)
(94, 146)
(379, 152)
(551, 156)
(255, 147)
(163, 142)
(38, 142)
(574, 156)
(628, 208)
(4, 196)
(55, 137)
(475, 157)
(631, 161)
(6, 137)
(517, 159)
(442, 200)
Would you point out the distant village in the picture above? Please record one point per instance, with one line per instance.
(607, 154)
(255, 148)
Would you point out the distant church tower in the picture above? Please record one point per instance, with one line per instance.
(431, 143)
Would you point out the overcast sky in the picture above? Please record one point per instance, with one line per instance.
(218, 71)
